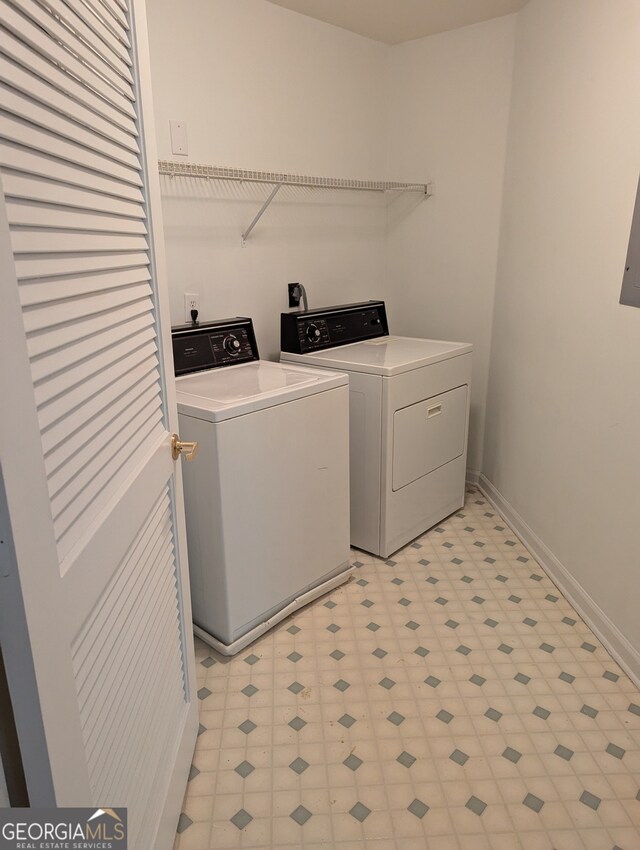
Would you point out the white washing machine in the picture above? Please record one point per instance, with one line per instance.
(267, 497)
(409, 417)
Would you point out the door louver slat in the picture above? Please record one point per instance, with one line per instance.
(74, 520)
(73, 482)
(97, 26)
(54, 410)
(47, 18)
(27, 214)
(31, 31)
(29, 136)
(25, 187)
(112, 11)
(27, 59)
(62, 335)
(45, 118)
(42, 93)
(88, 415)
(36, 268)
(64, 11)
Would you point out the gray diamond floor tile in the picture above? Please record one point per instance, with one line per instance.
(405, 759)
(352, 762)
(300, 815)
(184, 822)
(459, 757)
(476, 805)
(418, 808)
(244, 769)
(512, 755)
(590, 800)
(616, 751)
(360, 812)
(247, 727)
(241, 819)
(299, 765)
(347, 721)
(395, 718)
(564, 752)
(532, 802)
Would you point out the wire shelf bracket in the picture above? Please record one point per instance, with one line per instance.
(278, 180)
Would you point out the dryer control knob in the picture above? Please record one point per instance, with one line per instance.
(231, 344)
(313, 333)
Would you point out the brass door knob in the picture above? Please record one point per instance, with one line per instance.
(182, 447)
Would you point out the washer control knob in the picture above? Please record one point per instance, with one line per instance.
(313, 333)
(231, 344)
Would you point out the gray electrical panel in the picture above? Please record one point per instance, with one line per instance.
(631, 280)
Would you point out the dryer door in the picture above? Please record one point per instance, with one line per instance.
(428, 434)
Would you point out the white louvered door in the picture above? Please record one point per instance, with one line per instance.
(95, 612)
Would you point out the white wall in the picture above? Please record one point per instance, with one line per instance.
(447, 109)
(563, 410)
(261, 87)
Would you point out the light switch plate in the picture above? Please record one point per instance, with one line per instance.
(178, 130)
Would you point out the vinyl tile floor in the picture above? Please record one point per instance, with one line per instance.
(448, 698)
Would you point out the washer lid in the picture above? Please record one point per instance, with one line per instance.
(220, 394)
(387, 355)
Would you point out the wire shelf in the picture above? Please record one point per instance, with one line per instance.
(216, 172)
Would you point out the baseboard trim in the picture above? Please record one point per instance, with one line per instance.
(627, 656)
(473, 476)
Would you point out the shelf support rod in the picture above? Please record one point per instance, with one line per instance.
(261, 212)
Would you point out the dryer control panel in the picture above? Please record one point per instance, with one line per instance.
(211, 344)
(313, 330)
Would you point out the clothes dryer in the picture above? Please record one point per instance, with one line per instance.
(409, 416)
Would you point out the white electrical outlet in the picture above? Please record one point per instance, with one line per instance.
(191, 302)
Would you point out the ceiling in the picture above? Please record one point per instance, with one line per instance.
(393, 21)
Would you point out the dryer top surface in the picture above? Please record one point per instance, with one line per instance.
(387, 356)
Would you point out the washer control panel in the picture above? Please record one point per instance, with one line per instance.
(212, 344)
(313, 330)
